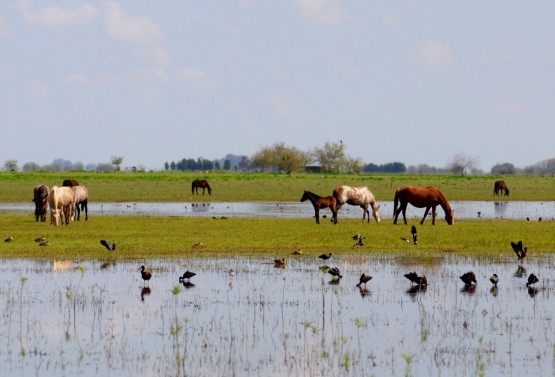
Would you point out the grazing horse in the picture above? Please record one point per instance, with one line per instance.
(80, 201)
(357, 196)
(319, 202)
(500, 188)
(60, 201)
(70, 183)
(200, 183)
(40, 194)
(420, 197)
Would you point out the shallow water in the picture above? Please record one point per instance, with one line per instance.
(463, 210)
(271, 321)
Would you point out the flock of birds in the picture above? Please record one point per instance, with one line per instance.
(469, 278)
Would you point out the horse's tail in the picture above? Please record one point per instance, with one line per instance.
(338, 202)
(395, 202)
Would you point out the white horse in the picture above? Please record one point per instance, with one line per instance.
(60, 201)
(80, 198)
(357, 196)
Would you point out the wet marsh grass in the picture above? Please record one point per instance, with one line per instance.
(143, 237)
(233, 187)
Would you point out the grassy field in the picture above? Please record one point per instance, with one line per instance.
(176, 186)
(161, 237)
(154, 237)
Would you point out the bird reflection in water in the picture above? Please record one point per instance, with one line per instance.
(187, 284)
(145, 291)
(363, 291)
(415, 289)
(520, 272)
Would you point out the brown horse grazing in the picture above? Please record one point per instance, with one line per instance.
(500, 188)
(70, 183)
(40, 195)
(319, 202)
(357, 196)
(200, 183)
(420, 197)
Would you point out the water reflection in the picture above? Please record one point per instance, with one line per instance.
(274, 321)
(222, 210)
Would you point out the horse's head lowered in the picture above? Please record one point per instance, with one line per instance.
(376, 212)
(450, 217)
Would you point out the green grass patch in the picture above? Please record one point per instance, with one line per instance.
(230, 186)
(169, 237)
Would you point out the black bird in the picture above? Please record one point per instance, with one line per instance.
(468, 278)
(532, 279)
(325, 257)
(418, 280)
(145, 274)
(187, 275)
(364, 279)
(494, 280)
(359, 241)
(413, 232)
(334, 271)
(40, 239)
(519, 251)
(9, 239)
(108, 245)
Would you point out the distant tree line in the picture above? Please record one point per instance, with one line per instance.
(330, 158)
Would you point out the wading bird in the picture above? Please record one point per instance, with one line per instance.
(494, 280)
(325, 257)
(108, 245)
(468, 278)
(364, 279)
(418, 280)
(532, 279)
(519, 251)
(145, 274)
(187, 275)
(334, 271)
(413, 232)
(280, 263)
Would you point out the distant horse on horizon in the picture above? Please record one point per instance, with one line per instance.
(357, 196)
(421, 197)
(500, 188)
(320, 202)
(200, 183)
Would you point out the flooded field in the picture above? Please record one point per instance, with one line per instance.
(463, 210)
(93, 318)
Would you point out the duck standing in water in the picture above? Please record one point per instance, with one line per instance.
(494, 280)
(519, 251)
(334, 271)
(532, 279)
(364, 279)
(418, 280)
(468, 278)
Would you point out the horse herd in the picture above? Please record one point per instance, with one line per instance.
(421, 197)
(66, 202)
(69, 200)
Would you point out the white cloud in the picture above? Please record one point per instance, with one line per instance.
(77, 78)
(512, 108)
(56, 18)
(38, 90)
(196, 77)
(131, 28)
(283, 109)
(237, 107)
(156, 54)
(326, 12)
(4, 30)
(392, 21)
(435, 56)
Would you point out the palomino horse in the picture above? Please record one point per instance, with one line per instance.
(319, 202)
(357, 196)
(421, 197)
(40, 194)
(60, 201)
(500, 187)
(200, 183)
(80, 201)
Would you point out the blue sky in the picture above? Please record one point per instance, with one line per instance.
(413, 81)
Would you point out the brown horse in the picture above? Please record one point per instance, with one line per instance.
(40, 194)
(200, 183)
(70, 183)
(420, 197)
(319, 202)
(500, 187)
